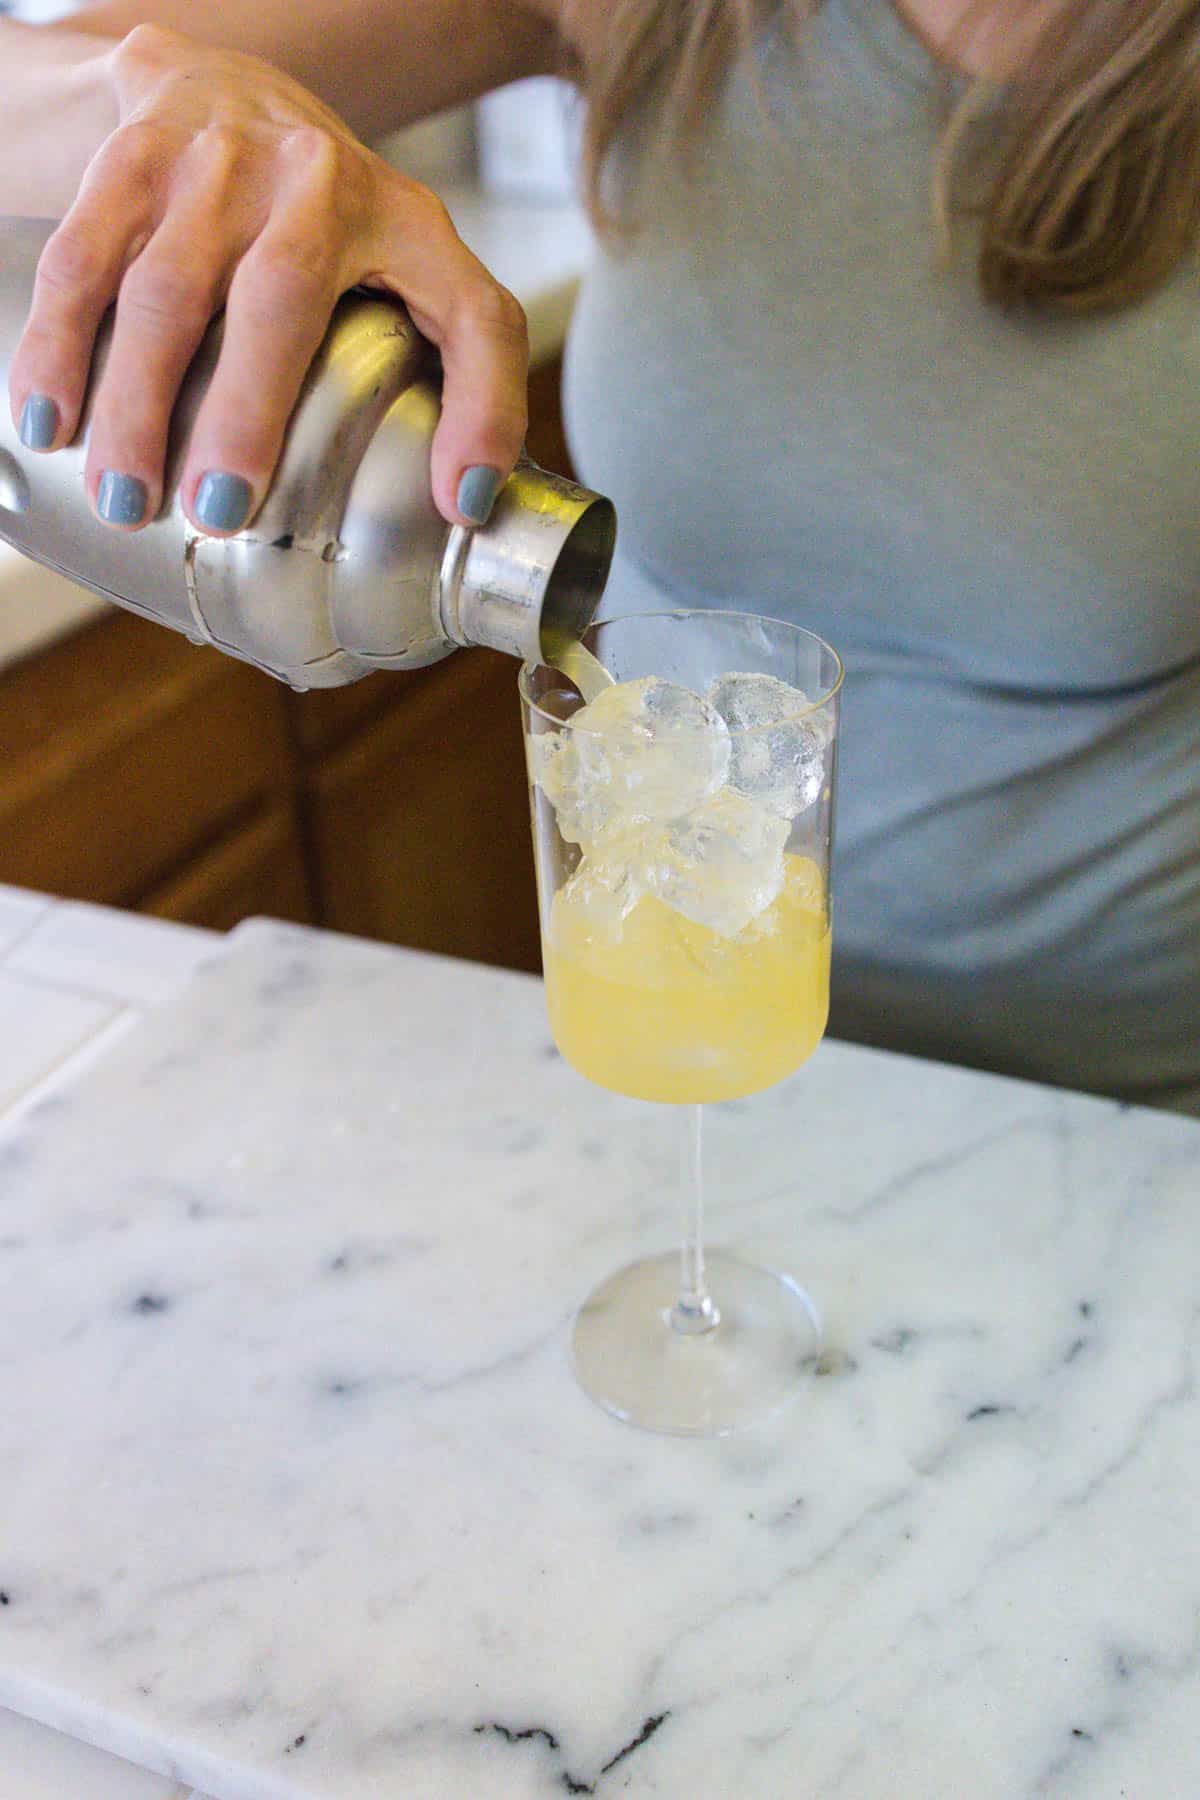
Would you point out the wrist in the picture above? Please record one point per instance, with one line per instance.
(61, 104)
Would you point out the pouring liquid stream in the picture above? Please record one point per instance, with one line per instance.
(576, 662)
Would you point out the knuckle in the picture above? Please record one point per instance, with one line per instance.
(217, 146)
(507, 420)
(334, 175)
(512, 313)
(72, 262)
(406, 209)
(162, 293)
(137, 148)
(147, 45)
(42, 349)
(487, 306)
(297, 271)
(496, 417)
(504, 429)
(249, 445)
(430, 208)
(315, 151)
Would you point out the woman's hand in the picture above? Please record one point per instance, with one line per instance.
(227, 184)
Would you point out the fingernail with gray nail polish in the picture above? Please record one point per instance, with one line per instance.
(477, 493)
(121, 499)
(39, 422)
(223, 501)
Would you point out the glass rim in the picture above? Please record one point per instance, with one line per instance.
(529, 669)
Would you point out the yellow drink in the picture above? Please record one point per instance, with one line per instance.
(664, 1009)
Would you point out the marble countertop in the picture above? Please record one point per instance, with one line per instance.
(537, 249)
(73, 980)
(300, 1501)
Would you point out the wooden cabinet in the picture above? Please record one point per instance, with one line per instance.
(123, 753)
(420, 824)
(139, 771)
(258, 867)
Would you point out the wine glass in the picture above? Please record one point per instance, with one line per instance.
(682, 851)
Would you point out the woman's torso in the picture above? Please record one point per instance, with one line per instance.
(996, 519)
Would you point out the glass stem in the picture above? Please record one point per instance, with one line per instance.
(695, 1311)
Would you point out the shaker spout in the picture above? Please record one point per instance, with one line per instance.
(530, 580)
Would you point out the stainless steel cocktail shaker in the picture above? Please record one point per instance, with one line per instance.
(348, 566)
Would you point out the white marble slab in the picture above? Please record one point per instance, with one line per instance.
(40, 1028)
(122, 956)
(37, 1082)
(73, 979)
(37, 1764)
(41, 1054)
(20, 911)
(299, 1501)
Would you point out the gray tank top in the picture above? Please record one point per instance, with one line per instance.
(995, 520)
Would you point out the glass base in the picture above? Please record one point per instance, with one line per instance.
(633, 1362)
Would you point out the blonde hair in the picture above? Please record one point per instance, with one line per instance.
(1086, 184)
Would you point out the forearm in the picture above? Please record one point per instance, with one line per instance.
(58, 106)
(381, 64)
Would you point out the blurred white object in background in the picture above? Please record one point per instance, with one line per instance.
(527, 137)
(440, 151)
(38, 12)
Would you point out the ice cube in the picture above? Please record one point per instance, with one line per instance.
(604, 890)
(722, 866)
(553, 766)
(581, 804)
(777, 758)
(642, 751)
